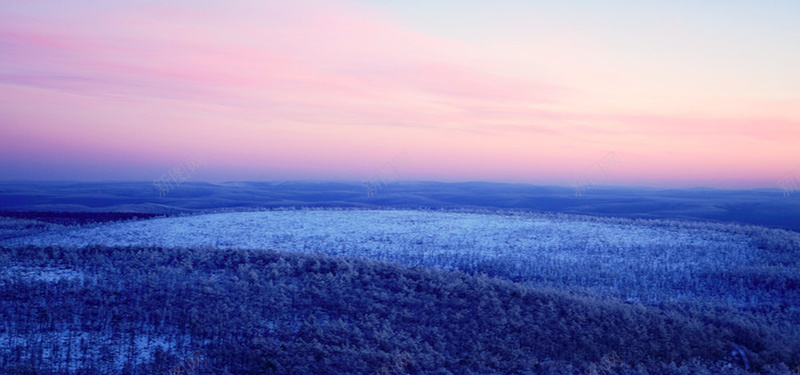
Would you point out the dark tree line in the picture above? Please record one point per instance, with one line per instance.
(76, 218)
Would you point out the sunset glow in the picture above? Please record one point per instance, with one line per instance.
(686, 95)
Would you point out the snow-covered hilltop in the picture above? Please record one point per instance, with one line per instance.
(648, 261)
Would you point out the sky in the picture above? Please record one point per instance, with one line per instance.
(684, 93)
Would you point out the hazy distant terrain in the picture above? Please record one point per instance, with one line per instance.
(767, 207)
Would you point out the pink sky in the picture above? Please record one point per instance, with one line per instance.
(332, 90)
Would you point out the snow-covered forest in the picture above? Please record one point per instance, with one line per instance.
(347, 291)
(647, 261)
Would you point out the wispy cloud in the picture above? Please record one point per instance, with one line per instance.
(267, 86)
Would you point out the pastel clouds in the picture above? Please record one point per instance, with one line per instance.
(327, 89)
